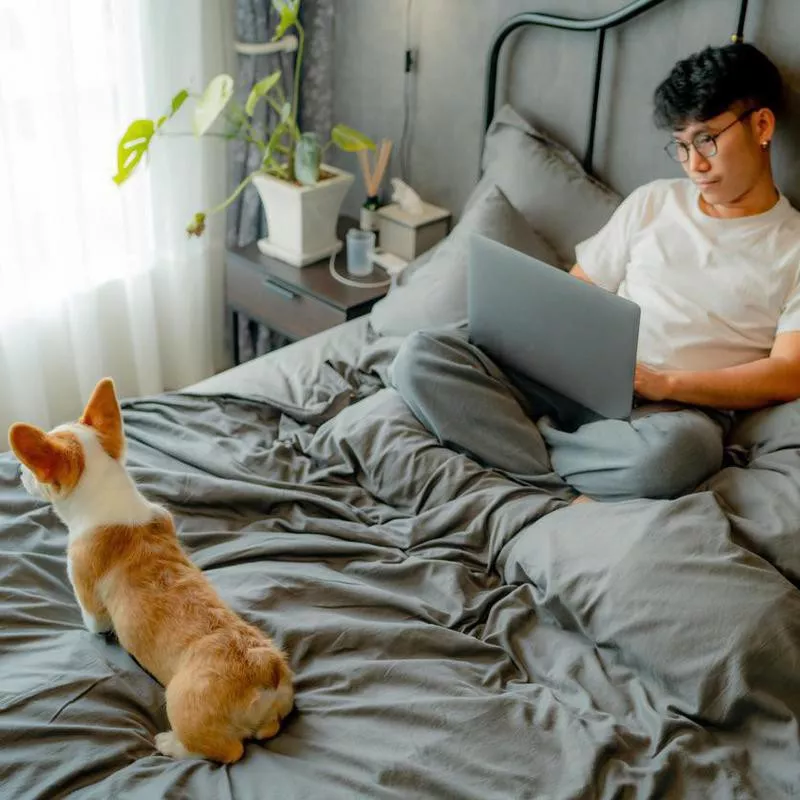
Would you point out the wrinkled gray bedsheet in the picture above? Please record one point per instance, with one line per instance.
(454, 634)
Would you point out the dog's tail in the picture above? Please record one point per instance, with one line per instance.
(269, 704)
(268, 665)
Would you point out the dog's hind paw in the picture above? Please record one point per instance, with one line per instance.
(95, 624)
(270, 729)
(168, 744)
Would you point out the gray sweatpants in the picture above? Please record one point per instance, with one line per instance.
(506, 421)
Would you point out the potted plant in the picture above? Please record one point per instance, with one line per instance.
(300, 194)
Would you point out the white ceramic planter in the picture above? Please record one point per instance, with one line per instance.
(301, 220)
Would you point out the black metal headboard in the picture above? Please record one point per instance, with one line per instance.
(599, 25)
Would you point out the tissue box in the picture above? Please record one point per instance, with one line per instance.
(407, 235)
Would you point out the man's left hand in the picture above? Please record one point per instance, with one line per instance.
(652, 384)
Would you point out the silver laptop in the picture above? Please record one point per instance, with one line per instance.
(564, 333)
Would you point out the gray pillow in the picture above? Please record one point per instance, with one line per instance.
(545, 182)
(435, 294)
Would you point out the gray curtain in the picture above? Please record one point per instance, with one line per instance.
(255, 22)
(316, 106)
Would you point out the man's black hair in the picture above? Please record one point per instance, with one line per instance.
(737, 76)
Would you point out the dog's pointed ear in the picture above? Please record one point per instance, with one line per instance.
(41, 454)
(102, 413)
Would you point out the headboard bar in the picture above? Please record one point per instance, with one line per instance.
(598, 66)
(599, 24)
(739, 36)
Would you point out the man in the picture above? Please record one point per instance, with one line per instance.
(713, 260)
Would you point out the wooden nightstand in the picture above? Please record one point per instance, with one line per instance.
(295, 301)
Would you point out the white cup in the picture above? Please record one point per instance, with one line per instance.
(360, 245)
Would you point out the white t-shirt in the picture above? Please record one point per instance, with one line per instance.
(713, 292)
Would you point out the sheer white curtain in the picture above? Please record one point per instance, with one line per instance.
(97, 279)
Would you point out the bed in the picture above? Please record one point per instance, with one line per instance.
(455, 633)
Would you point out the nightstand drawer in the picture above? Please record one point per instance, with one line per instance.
(276, 304)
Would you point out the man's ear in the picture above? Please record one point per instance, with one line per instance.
(764, 121)
(102, 414)
(42, 455)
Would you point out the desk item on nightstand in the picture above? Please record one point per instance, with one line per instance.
(372, 183)
(393, 265)
(411, 226)
(405, 197)
(368, 218)
(360, 245)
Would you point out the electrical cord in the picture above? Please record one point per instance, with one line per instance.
(356, 284)
(405, 136)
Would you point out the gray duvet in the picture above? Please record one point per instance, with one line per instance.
(454, 634)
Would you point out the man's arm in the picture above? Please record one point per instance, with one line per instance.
(771, 380)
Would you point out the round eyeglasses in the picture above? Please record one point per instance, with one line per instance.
(705, 144)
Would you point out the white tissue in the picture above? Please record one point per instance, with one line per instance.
(408, 200)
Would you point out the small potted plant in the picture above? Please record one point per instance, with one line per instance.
(301, 195)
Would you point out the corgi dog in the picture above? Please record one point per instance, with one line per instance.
(225, 680)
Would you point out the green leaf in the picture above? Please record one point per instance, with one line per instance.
(281, 129)
(286, 111)
(262, 88)
(197, 225)
(212, 103)
(175, 105)
(132, 146)
(270, 164)
(351, 140)
(178, 101)
(289, 10)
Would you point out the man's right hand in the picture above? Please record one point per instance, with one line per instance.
(577, 272)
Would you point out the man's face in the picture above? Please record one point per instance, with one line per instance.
(739, 161)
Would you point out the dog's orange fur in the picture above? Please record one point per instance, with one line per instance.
(55, 459)
(168, 616)
(102, 414)
(226, 681)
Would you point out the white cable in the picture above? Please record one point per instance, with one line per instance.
(357, 284)
(404, 136)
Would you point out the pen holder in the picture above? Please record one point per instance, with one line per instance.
(369, 220)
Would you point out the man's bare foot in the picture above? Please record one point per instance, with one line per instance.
(581, 498)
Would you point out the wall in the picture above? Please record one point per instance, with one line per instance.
(548, 78)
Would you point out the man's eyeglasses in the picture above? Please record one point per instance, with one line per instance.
(704, 143)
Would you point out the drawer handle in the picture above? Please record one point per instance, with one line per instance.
(278, 288)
